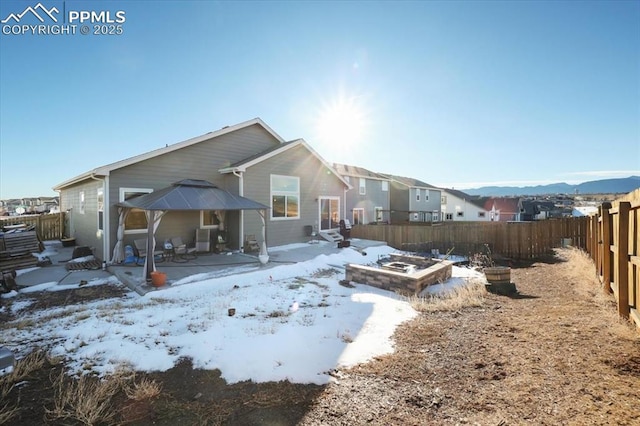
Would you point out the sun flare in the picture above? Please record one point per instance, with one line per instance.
(341, 123)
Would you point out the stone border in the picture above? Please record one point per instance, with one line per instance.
(399, 282)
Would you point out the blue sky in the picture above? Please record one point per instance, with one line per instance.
(457, 94)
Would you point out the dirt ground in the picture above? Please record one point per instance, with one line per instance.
(553, 354)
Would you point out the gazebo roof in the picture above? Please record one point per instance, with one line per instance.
(192, 194)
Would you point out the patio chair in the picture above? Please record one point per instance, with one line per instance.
(182, 251)
(140, 248)
(203, 240)
(250, 243)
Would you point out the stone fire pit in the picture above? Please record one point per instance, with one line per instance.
(405, 274)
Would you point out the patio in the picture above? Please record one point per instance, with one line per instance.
(206, 265)
(211, 265)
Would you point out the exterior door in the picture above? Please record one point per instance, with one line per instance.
(329, 213)
(358, 217)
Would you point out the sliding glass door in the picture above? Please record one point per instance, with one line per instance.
(329, 213)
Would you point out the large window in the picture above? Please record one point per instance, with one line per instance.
(136, 222)
(363, 186)
(100, 199)
(285, 196)
(385, 185)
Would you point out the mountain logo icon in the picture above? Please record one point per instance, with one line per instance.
(34, 11)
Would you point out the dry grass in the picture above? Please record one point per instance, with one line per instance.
(90, 400)
(472, 294)
(87, 399)
(7, 413)
(143, 390)
(23, 368)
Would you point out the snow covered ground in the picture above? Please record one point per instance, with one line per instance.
(293, 322)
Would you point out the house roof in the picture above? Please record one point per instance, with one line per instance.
(506, 205)
(192, 194)
(243, 165)
(355, 171)
(410, 182)
(473, 199)
(106, 170)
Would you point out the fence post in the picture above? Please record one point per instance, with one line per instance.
(623, 258)
(606, 247)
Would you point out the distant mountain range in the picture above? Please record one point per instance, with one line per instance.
(604, 186)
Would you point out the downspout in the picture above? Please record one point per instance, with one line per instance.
(105, 221)
(344, 204)
(240, 177)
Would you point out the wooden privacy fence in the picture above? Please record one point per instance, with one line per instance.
(517, 240)
(614, 245)
(48, 226)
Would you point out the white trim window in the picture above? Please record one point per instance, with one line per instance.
(426, 195)
(363, 186)
(482, 215)
(136, 221)
(82, 203)
(385, 185)
(443, 200)
(100, 208)
(285, 197)
(209, 219)
(358, 216)
(418, 194)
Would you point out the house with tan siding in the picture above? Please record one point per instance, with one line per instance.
(247, 159)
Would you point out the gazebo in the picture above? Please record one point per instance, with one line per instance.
(188, 194)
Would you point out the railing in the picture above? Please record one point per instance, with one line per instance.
(516, 240)
(48, 226)
(614, 245)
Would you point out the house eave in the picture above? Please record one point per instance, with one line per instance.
(107, 169)
(298, 142)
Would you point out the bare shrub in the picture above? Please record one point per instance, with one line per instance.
(86, 399)
(471, 294)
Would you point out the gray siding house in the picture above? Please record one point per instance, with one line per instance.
(413, 201)
(247, 159)
(368, 199)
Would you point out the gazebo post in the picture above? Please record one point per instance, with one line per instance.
(149, 261)
(264, 255)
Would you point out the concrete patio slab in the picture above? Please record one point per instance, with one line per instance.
(205, 266)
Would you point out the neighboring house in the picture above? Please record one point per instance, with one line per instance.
(503, 209)
(529, 210)
(368, 199)
(248, 159)
(30, 205)
(458, 206)
(413, 201)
